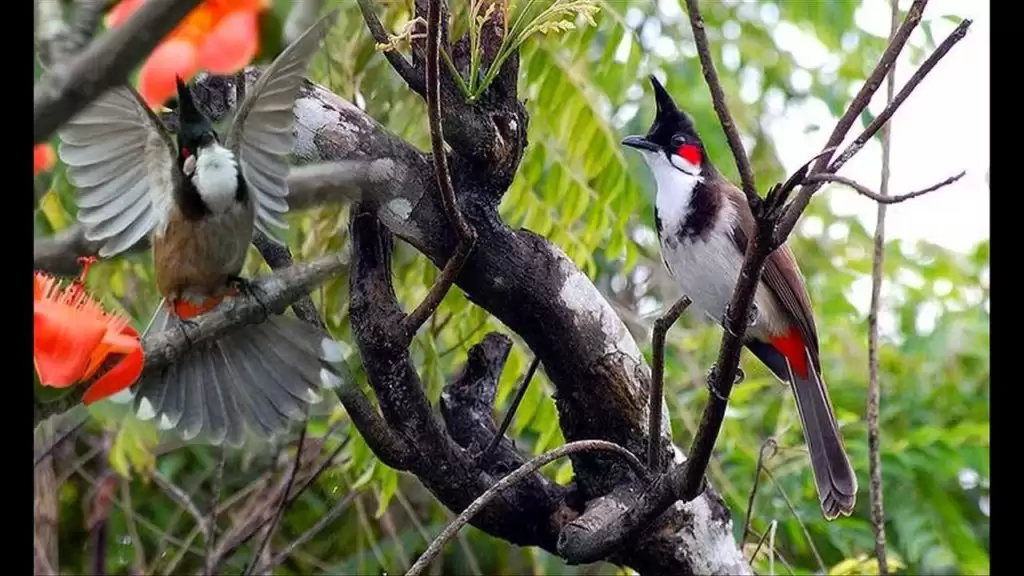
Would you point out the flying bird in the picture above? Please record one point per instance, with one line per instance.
(200, 196)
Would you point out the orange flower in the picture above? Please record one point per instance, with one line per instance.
(44, 158)
(74, 338)
(219, 36)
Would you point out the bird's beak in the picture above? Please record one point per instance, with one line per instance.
(163, 109)
(640, 143)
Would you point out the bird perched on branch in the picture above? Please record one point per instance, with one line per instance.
(704, 224)
(201, 201)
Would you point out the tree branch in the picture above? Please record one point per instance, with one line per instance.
(406, 71)
(800, 202)
(526, 469)
(955, 36)
(882, 198)
(661, 328)
(874, 391)
(64, 92)
(732, 135)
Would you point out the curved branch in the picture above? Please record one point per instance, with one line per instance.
(880, 198)
(64, 92)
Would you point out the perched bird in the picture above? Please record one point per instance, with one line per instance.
(704, 223)
(200, 202)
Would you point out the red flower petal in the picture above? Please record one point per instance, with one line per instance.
(63, 342)
(170, 59)
(232, 44)
(121, 376)
(44, 158)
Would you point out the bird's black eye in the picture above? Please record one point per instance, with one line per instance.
(677, 141)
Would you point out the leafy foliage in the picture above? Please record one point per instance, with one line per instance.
(585, 86)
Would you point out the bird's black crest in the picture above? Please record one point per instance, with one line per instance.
(669, 120)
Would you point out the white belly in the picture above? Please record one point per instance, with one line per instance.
(706, 271)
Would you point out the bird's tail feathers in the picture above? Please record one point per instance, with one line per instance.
(834, 476)
(253, 381)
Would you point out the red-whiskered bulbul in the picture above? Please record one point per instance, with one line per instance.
(201, 204)
(704, 223)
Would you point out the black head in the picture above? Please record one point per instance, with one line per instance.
(194, 129)
(672, 133)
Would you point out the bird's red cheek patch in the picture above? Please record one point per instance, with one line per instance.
(690, 153)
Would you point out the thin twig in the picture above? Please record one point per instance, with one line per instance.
(211, 519)
(769, 442)
(335, 511)
(281, 506)
(183, 499)
(955, 36)
(139, 558)
(59, 441)
(760, 541)
(234, 541)
(799, 521)
(65, 91)
(661, 328)
(874, 386)
(853, 112)
(874, 81)
(463, 231)
(516, 475)
(403, 67)
(882, 198)
(511, 412)
(718, 100)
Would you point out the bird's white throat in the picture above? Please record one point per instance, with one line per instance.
(216, 177)
(675, 180)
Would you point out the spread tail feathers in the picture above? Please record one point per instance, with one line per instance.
(253, 380)
(833, 474)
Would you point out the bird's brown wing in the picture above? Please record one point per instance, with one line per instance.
(781, 274)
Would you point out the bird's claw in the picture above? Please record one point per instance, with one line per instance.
(752, 317)
(247, 288)
(712, 381)
(187, 323)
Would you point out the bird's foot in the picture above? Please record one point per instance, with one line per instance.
(753, 315)
(187, 323)
(247, 288)
(712, 381)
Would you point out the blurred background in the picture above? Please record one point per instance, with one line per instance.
(789, 68)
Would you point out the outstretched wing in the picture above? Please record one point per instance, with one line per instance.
(261, 134)
(121, 159)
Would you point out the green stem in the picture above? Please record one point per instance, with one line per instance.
(455, 74)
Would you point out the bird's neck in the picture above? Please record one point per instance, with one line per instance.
(684, 204)
(216, 179)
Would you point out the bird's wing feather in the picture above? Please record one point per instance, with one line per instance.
(781, 274)
(121, 159)
(261, 134)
